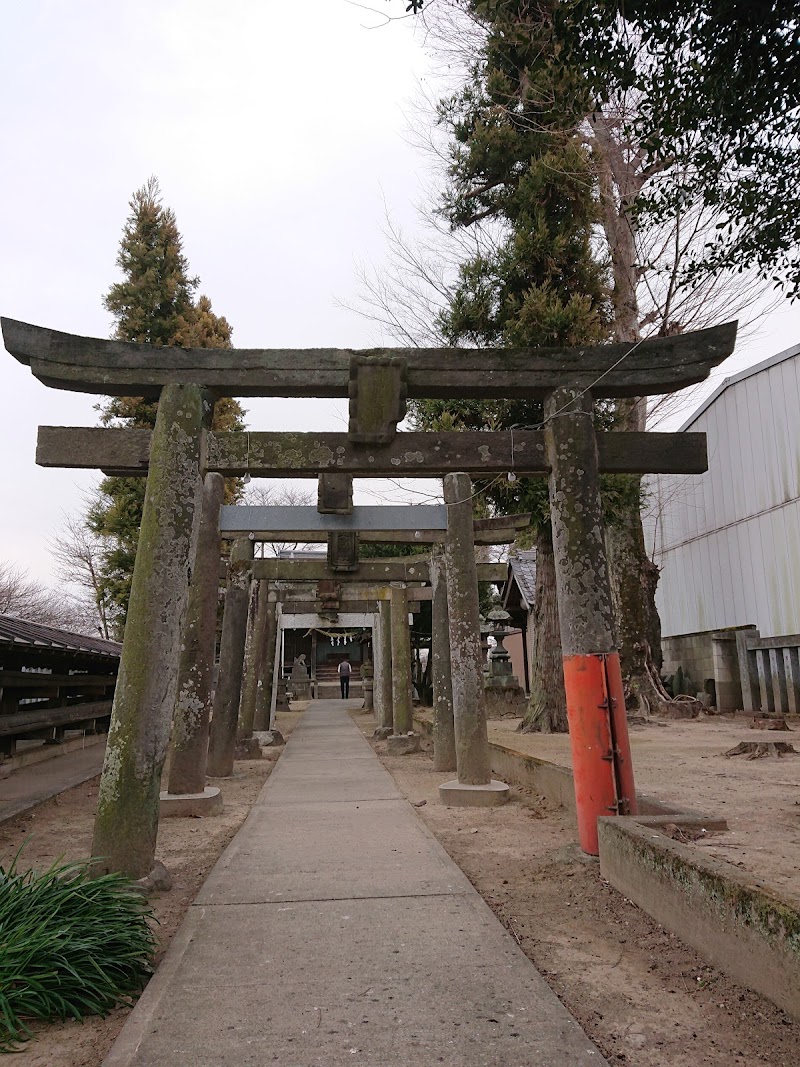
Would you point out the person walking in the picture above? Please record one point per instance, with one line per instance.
(345, 670)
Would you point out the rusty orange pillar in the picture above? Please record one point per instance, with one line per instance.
(601, 757)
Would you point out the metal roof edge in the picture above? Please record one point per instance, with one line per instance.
(734, 379)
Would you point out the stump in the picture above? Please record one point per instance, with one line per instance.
(772, 722)
(761, 749)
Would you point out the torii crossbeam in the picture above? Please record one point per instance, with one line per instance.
(410, 524)
(120, 368)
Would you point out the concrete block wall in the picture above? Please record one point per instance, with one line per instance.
(693, 652)
(726, 671)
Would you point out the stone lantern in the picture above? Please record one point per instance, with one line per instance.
(499, 660)
(504, 695)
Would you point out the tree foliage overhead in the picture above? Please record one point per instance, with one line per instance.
(519, 171)
(154, 303)
(717, 84)
(719, 89)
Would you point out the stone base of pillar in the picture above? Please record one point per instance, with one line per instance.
(504, 700)
(269, 738)
(402, 744)
(198, 805)
(458, 795)
(248, 748)
(381, 733)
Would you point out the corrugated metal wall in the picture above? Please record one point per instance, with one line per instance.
(728, 541)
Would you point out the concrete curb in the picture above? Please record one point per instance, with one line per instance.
(739, 925)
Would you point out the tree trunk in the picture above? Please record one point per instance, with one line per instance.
(634, 577)
(547, 707)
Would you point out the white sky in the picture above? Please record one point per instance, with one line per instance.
(277, 132)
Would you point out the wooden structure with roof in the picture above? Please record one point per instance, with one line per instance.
(52, 681)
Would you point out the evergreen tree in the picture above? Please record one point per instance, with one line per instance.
(515, 161)
(153, 304)
(718, 90)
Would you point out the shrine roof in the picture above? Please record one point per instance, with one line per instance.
(522, 566)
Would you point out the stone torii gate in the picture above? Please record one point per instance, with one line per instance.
(240, 696)
(182, 448)
(389, 584)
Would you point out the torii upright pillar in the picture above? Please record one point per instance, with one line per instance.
(187, 793)
(383, 673)
(474, 786)
(126, 824)
(222, 742)
(261, 722)
(601, 757)
(254, 654)
(444, 738)
(402, 740)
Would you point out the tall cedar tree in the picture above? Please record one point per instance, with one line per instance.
(524, 104)
(153, 304)
(718, 90)
(515, 161)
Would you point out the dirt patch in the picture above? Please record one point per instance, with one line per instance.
(189, 847)
(644, 997)
(683, 763)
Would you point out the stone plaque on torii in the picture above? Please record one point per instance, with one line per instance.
(181, 448)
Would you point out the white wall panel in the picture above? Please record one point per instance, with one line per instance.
(728, 541)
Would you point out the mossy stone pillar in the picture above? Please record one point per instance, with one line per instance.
(266, 663)
(402, 740)
(126, 823)
(444, 738)
(187, 766)
(383, 671)
(253, 658)
(474, 785)
(601, 758)
(222, 741)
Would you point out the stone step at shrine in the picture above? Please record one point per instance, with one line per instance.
(378, 383)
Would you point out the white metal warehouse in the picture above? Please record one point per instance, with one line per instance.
(728, 541)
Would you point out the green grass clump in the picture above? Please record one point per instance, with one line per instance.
(71, 945)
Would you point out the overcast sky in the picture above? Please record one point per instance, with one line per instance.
(277, 131)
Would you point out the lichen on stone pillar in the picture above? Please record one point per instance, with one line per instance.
(126, 823)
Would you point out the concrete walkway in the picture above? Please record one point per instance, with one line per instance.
(336, 930)
(28, 786)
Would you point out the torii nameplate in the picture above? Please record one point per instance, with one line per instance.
(120, 368)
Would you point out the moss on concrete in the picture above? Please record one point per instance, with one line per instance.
(717, 884)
